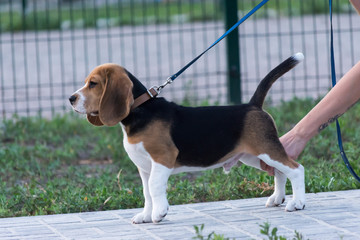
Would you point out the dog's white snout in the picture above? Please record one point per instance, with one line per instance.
(77, 101)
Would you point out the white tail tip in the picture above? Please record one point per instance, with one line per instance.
(299, 56)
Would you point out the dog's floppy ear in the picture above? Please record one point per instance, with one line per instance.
(117, 97)
(94, 120)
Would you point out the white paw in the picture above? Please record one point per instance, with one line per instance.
(295, 204)
(275, 200)
(159, 212)
(142, 217)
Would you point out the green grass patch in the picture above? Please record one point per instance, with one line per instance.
(109, 15)
(67, 165)
(265, 229)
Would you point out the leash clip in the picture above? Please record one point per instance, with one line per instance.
(168, 81)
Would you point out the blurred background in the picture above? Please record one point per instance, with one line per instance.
(48, 47)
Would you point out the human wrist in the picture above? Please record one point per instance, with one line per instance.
(302, 133)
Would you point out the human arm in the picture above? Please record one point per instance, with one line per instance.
(356, 5)
(334, 104)
(339, 99)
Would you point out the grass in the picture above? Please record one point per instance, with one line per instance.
(81, 15)
(66, 165)
(108, 15)
(265, 229)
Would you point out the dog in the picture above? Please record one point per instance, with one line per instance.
(163, 138)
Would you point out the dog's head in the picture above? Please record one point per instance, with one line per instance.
(106, 97)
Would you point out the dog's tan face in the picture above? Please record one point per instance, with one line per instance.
(106, 97)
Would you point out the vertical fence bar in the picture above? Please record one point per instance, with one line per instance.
(232, 52)
(206, 62)
(37, 56)
(121, 33)
(134, 36)
(61, 49)
(97, 37)
(108, 31)
(72, 42)
(244, 56)
(316, 47)
(50, 63)
(280, 33)
(256, 44)
(13, 54)
(24, 42)
(194, 45)
(146, 53)
(2, 75)
(158, 36)
(291, 38)
(169, 40)
(303, 45)
(351, 28)
(219, 71)
(181, 36)
(85, 37)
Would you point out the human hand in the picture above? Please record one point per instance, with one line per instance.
(293, 144)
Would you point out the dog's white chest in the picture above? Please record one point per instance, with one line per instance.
(137, 153)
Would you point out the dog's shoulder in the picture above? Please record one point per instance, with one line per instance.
(157, 109)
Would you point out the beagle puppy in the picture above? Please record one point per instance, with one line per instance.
(163, 138)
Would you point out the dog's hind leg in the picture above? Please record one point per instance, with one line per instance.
(278, 197)
(295, 175)
(261, 129)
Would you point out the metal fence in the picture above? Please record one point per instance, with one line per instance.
(47, 48)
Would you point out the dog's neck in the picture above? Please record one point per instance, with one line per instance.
(140, 93)
(138, 87)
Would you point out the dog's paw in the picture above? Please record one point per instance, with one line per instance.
(142, 217)
(159, 212)
(275, 200)
(295, 204)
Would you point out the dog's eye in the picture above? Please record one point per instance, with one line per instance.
(92, 84)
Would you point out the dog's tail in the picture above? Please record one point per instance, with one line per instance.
(265, 84)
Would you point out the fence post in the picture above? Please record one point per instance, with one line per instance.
(232, 52)
(24, 5)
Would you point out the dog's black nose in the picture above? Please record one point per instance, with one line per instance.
(72, 99)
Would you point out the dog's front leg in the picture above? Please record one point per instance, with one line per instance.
(145, 215)
(157, 186)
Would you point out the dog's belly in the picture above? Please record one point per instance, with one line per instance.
(196, 169)
(248, 159)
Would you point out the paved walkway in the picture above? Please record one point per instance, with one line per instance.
(333, 215)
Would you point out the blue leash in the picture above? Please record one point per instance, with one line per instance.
(174, 76)
(333, 78)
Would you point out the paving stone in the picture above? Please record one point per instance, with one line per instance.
(96, 216)
(328, 216)
(32, 230)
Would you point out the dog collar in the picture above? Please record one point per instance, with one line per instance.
(149, 94)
